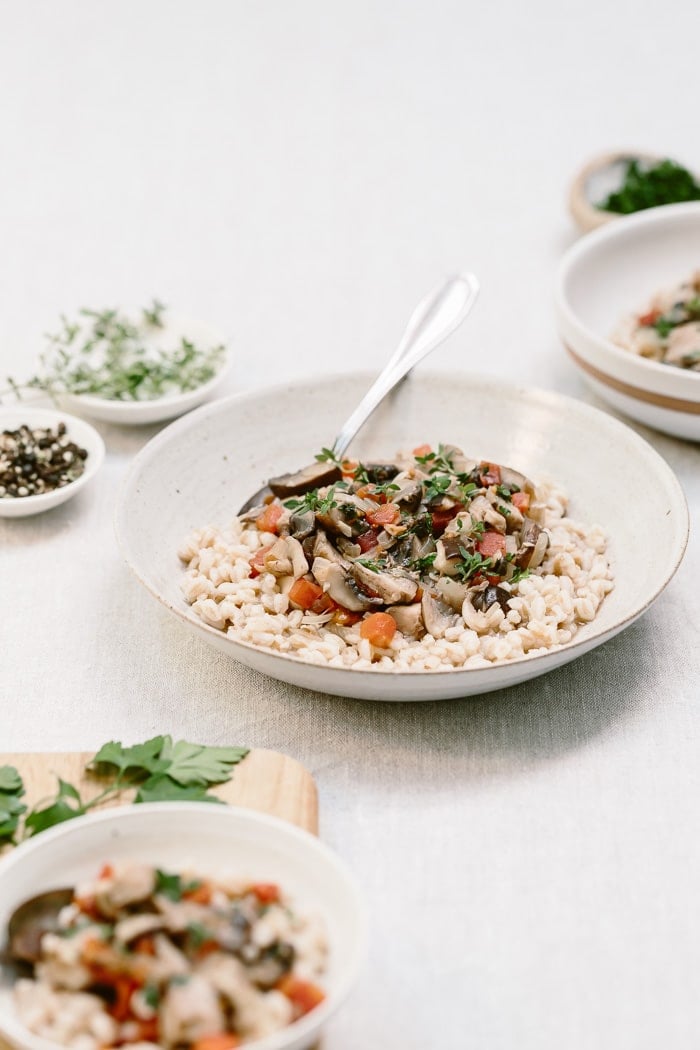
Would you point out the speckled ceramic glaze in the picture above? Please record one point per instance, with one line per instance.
(199, 470)
(614, 272)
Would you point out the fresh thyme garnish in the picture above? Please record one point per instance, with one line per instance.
(373, 566)
(313, 501)
(506, 491)
(110, 355)
(361, 476)
(436, 486)
(471, 563)
(425, 563)
(519, 574)
(328, 455)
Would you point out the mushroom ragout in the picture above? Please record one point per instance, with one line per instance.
(433, 562)
(143, 956)
(402, 546)
(668, 329)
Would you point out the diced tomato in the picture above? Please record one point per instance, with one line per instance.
(490, 474)
(492, 544)
(378, 629)
(389, 514)
(267, 521)
(303, 994)
(422, 450)
(145, 945)
(349, 467)
(200, 894)
(443, 516)
(304, 593)
(124, 988)
(257, 562)
(521, 500)
(88, 906)
(266, 892)
(647, 320)
(148, 1031)
(367, 540)
(106, 872)
(346, 617)
(323, 604)
(217, 1041)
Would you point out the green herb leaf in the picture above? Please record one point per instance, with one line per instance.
(647, 187)
(195, 764)
(56, 813)
(327, 455)
(141, 759)
(10, 781)
(162, 788)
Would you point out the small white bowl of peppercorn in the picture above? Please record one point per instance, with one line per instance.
(46, 457)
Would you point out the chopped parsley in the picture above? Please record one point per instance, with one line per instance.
(646, 187)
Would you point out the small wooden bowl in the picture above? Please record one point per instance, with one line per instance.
(607, 172)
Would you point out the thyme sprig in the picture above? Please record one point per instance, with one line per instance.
(107, 354)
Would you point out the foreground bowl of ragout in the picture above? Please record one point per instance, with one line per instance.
(201, 469)
(214, 841)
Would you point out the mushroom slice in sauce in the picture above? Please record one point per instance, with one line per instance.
(534, 542)
(437, 616)
(393, 588)
(302, 524)
(491, 595)
(340, 587)
(315, 476)
(409, 619)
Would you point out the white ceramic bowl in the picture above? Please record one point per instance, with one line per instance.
(78, 430)
(201, 469)
(139, 413)
(611, 273)
(207, 838)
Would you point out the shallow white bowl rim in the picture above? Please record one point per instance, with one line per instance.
(604, 234)
(153, 447)
(36, 417)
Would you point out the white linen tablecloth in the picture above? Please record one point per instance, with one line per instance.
(300, 173)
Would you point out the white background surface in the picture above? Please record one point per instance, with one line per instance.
(300, 173)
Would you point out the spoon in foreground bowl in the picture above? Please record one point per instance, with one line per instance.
(436, 317)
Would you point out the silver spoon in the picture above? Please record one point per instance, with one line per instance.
(433, 320)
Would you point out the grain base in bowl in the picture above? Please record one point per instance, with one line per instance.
(538, 610)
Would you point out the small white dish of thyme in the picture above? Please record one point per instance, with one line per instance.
(129, 366)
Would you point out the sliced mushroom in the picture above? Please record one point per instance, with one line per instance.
(130, 884)
(491, 595)
(315, 476)
(392, 587)
(513, 479)
(448, 557)
(349, 549)
(409, 496)
(302, 524)
(334, 521)
(437, 616)
(452, 591)
(481, 509)
(380, 473)
(532, 546)
(278, 559)
(300, 565)
(340, 587)
(190, 1010)
(137, 926)
(323, 548)
(409, 619)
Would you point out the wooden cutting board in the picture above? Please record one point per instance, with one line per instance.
(264, 780)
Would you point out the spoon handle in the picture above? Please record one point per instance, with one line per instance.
(435, 317)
